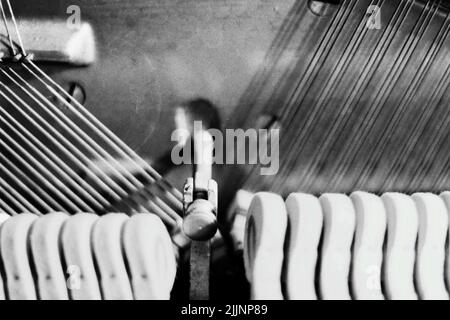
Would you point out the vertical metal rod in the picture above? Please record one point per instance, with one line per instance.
(200, 215)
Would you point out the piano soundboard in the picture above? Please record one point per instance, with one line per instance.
(253, 149)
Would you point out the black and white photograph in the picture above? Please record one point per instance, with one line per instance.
(217, 155)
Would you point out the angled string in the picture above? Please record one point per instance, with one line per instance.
(19, 38)
(357, 91)
(323, 100)
(363, 173)
(117, 144)
(5, 22)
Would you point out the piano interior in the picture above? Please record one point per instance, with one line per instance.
(253, 149)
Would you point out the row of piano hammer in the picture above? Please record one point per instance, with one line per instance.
(85, 257)
(335, 246)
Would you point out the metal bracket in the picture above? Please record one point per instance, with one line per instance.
(53, 41)
(200, 210)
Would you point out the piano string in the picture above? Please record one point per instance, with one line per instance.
(54, 184)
